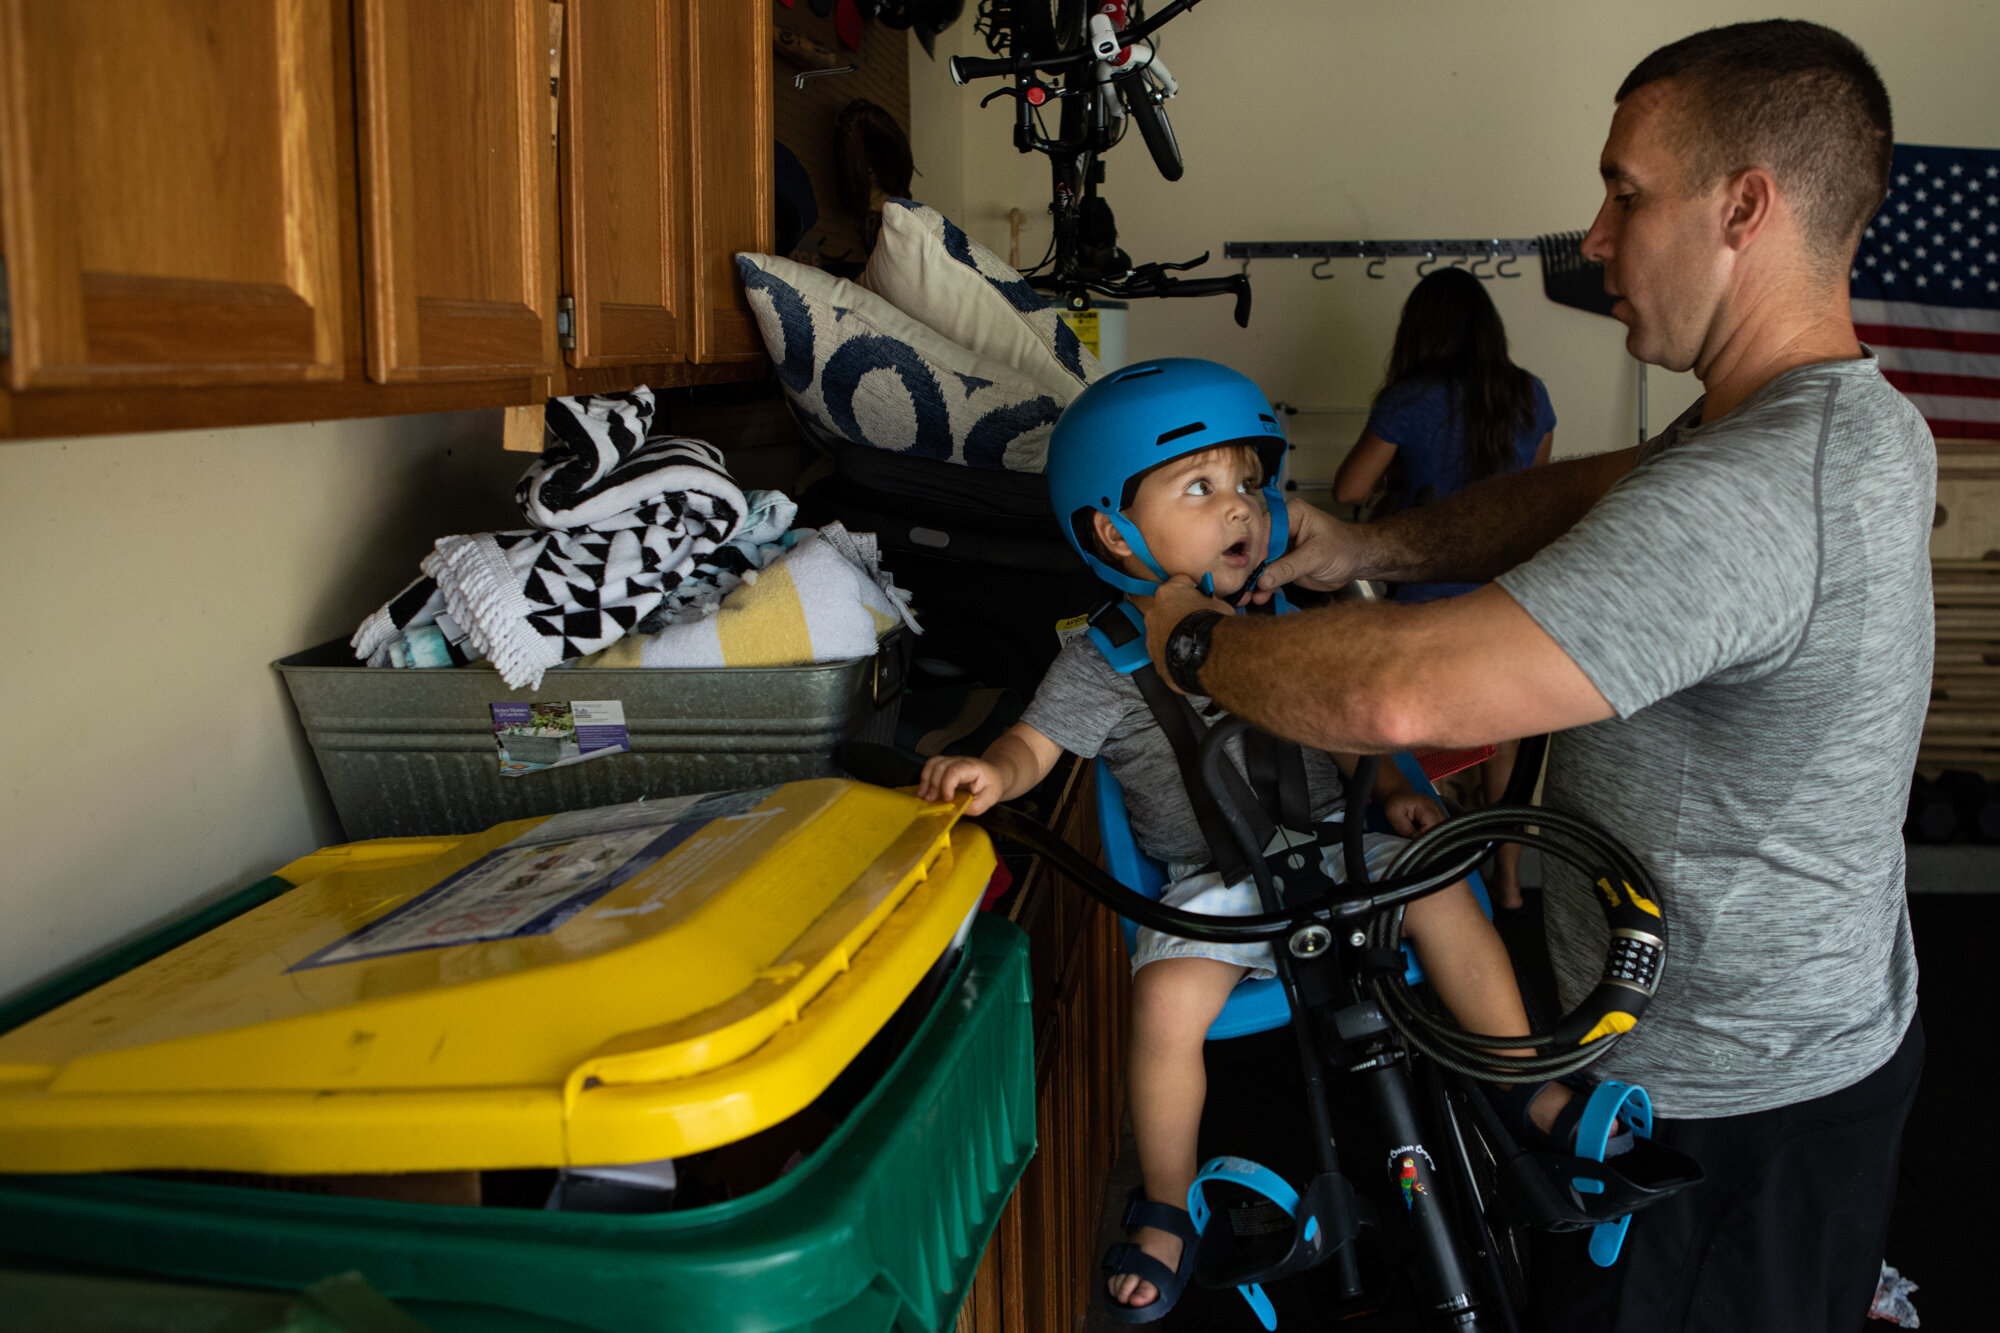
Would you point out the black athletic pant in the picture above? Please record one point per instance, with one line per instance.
(1784, 1235)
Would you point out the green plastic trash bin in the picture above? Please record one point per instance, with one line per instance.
(880, 1227)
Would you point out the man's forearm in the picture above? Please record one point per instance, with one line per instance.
(1488, 528)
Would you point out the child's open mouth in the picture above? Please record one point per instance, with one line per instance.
(1237, 552)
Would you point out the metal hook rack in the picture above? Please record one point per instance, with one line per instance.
(1488, 249)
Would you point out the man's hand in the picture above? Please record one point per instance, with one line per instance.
(1177, 599)
(1410, 814)
(1325, 553)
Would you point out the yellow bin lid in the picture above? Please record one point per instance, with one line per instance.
(614, 985)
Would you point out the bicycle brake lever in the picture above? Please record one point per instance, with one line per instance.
(1196, 262)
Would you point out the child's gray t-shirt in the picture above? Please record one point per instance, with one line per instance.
(1089, 709)
(1754, 601)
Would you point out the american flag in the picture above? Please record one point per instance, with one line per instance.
(1926, 287)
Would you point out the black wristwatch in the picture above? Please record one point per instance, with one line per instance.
(1187, 649)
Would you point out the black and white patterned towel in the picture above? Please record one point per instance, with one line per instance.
(621, 522)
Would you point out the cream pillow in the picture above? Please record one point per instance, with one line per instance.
(855, 368)
(931, 270)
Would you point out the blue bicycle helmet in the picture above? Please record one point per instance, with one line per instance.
(1135, 419)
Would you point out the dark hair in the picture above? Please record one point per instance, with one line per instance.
(1451, 331)
(1796, 98)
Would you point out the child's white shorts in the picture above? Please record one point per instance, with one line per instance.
(1205, 893)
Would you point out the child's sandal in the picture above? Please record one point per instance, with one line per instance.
(1126, 1257)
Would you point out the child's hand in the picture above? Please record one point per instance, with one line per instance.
(1410, 814)
(945, 775)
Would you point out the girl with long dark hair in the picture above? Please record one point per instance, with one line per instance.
(1455, 409)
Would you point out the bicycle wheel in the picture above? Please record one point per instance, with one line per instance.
(1048, 27)
(1152, 121)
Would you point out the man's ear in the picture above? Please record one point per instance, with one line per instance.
(1750, 200)
(1108, 534)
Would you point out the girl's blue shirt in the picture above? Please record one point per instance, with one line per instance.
(1421, 418)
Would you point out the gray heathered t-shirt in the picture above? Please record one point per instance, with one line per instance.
(1089, 709)
(1754, 600)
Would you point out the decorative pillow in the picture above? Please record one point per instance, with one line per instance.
(855, 368)
(929, 269)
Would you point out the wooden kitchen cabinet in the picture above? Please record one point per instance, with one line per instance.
(169, 199)
(730, 47)
(626, 178)
(457, 152)
(288, 210)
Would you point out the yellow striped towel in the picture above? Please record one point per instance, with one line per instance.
(824, 600)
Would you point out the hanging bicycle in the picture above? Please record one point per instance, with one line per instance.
(1100, 68)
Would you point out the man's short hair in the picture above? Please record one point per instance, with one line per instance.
(1795, 98)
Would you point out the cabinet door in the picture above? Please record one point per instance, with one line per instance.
(457, 187)
(169, 191)
(729, 48)
(625, 180)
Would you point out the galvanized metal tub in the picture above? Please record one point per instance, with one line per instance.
(411, 752)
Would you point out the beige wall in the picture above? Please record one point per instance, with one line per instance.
(151, 758)
(1355, 119)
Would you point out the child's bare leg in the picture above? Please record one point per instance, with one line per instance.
(1173, 1002)
(1469, 968)
(1506, 861)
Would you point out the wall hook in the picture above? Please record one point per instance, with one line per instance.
(799, 79)
(1323, 277)
(1426, 264)
(1375, 268)
(1505, 268)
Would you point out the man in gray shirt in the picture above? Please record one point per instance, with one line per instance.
(1729, 631)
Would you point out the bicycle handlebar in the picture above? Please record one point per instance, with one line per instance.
(982, 67)
(1157, 284)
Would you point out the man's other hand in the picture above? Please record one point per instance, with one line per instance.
(1177, 599)
(1325, 553)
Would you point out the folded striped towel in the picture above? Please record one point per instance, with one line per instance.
(825, 600)
(623, 521)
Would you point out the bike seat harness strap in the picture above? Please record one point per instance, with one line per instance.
(1277, 794)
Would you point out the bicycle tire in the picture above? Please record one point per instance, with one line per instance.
(1151, 118)
(1048, 27)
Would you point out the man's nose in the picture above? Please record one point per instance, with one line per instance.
(1597, 241)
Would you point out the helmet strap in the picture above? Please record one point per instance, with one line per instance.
(1281, 525)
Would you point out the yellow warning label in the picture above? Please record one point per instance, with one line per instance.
(1083, 323)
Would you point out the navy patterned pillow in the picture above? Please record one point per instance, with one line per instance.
(855, 368)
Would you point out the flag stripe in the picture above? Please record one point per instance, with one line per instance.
(1964, 386)
(1965, 430)
(1938, 407)
(1908, 335)
(1938, 362)
(1927, 316)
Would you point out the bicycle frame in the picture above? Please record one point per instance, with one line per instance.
(1320, 961)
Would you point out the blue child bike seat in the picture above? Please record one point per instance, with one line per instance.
(1254, 1006)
